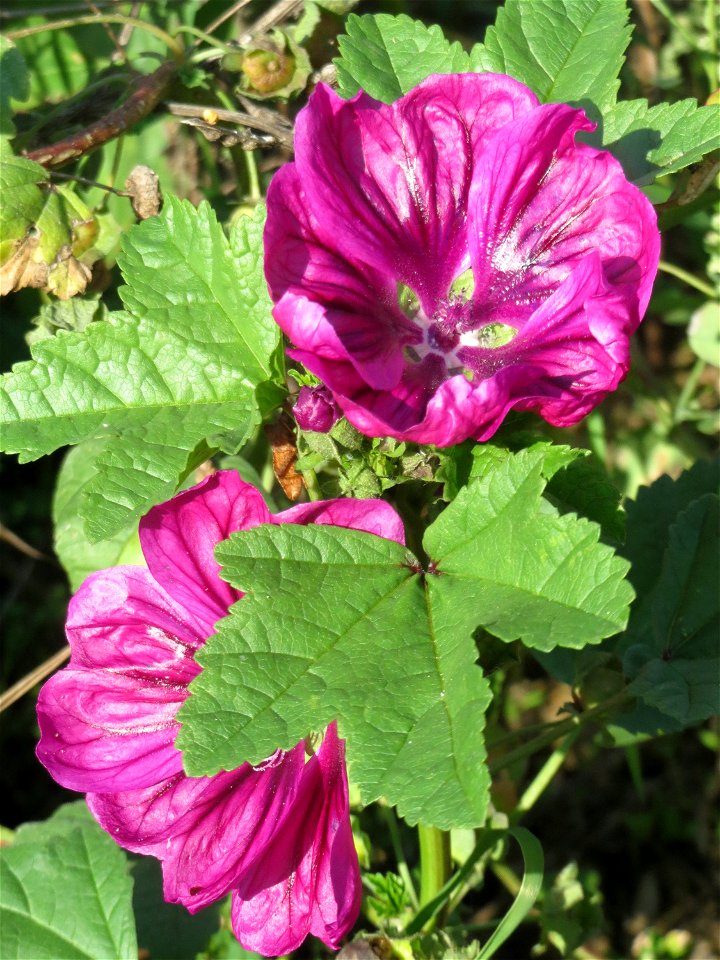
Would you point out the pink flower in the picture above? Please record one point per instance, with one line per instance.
(454, 255)
(278, 835)
(315, 409)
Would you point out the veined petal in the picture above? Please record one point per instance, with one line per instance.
(372, 516)
(400, 174)
(178, 539)
(107, 721)
(539, 204)
(307, 880)
(205, 830)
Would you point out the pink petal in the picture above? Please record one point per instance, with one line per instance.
(400, 174)
(205, 830)
(540, 203)
(372, 516)
(107, 721)
(307, 880)
(178, 539)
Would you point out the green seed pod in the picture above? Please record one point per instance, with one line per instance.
(267, 71)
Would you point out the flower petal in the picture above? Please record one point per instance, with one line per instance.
(400, 174)
(540, 203)
(205, 830)
(107, 721)
(307, 880)
(372, 516)
(178, 539)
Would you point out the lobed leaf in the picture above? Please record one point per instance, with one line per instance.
(387, 56)
(339, 624)
(65, 892)
(650, 142)
(554, 46)
(192, 361)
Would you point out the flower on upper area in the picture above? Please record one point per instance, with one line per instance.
(278, 835)
(454, 255)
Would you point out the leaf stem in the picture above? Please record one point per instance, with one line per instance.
(403, 869)
(312, 484)
(681, 407)
(435, 866)
(687, 278)
(542, 779)
(93, 19)
(560, 729)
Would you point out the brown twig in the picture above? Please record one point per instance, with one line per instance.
(15, 541)
(280, 11)
(147, 94)
(266, 121)
(31, 679)
(230, 12)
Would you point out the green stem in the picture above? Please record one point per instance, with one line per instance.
(681, 407)
(688, 278)
(254, 194)
(211, 41)
(312, 485)
(544, 776)
(435, 865)
(560, 729)
(170, 42)
(403, 869)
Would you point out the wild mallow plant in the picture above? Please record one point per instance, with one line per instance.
(461, 249)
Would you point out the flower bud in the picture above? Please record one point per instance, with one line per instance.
(315, 409)
(267, 71)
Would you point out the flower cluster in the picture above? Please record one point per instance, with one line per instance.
(277, 835)
(454, 255)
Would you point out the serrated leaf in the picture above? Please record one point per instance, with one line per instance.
(340, 624)
(74, 314)
(80, 556)
(291, 657)
(387, 56)
(553, 47)
(65, 892)
(191, 360)
(532, 574)
(650, 142)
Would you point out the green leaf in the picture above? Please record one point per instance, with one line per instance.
(191, 361)
(80, 556)
(14, 83)
(291, 657)
(74, 314)
(554, 47)
(534, 862)
(65, 892)
(532, 574)
(387, 56)
(676, 667)
(341, 624)
(650, 142)
(704, 333)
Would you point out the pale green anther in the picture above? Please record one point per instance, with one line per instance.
(495, 335)
(462, 286)
(408, 300)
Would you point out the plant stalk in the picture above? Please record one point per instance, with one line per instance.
(435, 866)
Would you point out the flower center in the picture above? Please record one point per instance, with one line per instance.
(454, 330)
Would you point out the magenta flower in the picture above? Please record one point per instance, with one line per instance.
(315, 409)
(278, 835)
(454, 255)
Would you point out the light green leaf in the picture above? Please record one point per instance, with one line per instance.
(14, 83)
(387, 56)
(80, 556)
(65, 892)
(554, 47)
(191, 361)
(532, 574)
(704, 333)
(341, 624)
(650, 142)
(74, 314)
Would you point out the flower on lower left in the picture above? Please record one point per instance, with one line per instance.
(278, 835)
